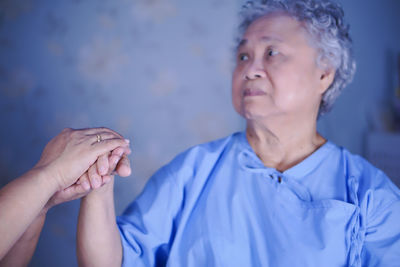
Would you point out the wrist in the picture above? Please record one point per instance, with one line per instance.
(46, 178)
(103, 194)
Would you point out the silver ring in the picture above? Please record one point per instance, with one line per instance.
(98, 138)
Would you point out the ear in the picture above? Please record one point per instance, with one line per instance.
(326, 79)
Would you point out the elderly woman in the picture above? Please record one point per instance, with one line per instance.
(278, 194)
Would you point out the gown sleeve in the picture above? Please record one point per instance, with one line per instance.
(382, 237)
(148, 225)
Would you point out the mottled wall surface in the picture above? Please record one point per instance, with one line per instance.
(157, 71)
(374, 26)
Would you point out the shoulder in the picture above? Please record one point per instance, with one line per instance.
(374, 189)
(200, 157)
(213, 147)
(202, 154)
(367, 175)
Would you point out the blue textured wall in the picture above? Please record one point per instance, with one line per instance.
(374, 26)
(158, 71)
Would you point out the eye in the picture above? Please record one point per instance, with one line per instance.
(243, 57)
(272, 52)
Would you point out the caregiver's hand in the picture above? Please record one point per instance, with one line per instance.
(70, 154)
(100, 173)
(65, 158)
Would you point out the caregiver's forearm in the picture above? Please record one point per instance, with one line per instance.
(21, 201)
(22, 251)
(98, 239)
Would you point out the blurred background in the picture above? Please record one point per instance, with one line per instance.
(159, 72)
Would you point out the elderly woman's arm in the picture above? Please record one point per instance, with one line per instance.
(382, 239)
(64, 160)
(97, 215)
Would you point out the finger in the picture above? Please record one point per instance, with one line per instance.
(93, 131)
(94, 177)
(102, 164)
(127, 150)
(108, 145)
(124, 167)
(80, 179)
(72, 192)
(101, 136)
(107, 179)
(84, 181)
(114, 158)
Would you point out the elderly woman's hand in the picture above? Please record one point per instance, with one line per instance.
(109, 163)
(115, 162)
(70, 154)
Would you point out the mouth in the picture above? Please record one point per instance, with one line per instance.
(253, 92)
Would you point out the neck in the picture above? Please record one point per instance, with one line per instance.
(283, 145)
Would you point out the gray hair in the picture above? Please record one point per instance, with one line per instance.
(324, 21)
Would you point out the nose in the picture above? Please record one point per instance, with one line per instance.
(255, 71)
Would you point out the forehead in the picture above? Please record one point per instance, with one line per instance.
(274, 27)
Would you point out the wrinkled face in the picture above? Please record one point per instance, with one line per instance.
(276, 72)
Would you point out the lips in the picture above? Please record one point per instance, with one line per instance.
(253, 92)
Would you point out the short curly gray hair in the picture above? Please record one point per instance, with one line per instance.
(324, 21)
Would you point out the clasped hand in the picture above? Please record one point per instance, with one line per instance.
(77, 161)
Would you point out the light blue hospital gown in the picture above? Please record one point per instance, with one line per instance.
(217, 205)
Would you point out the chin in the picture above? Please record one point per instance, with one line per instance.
(253, 115)
(255, 110)
(260, 114)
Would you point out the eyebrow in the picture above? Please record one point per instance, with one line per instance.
(264, 39)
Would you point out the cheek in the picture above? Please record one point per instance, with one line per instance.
(236, 82)
(297, 90)
(236, 90)
(237, 72)
(289, 89)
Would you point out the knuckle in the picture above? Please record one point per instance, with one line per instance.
(94, 176)
(104, 157)
(74, 133)
(66, 132)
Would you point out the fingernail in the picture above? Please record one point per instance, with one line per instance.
(127, 141)
(116, 161)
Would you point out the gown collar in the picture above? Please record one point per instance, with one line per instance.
(249, 159)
